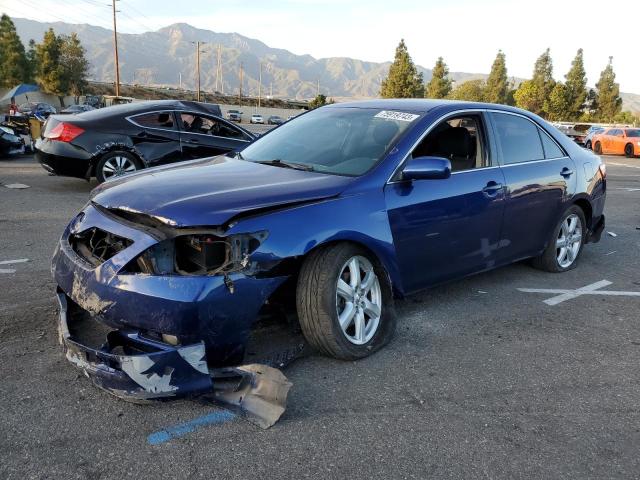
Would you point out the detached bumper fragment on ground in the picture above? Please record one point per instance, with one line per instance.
(139, 369)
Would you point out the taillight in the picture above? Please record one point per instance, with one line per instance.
(64, 132)
(603, 170)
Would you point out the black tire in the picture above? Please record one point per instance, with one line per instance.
(316, 300)
(628, 150)
(598, 148)
(102, 172)
(548, 260)
(588, 144)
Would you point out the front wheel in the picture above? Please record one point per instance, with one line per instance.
(565, 244)
(115, 164)
(588, 145)
(598, 148)
(344, 302)
(628, 150)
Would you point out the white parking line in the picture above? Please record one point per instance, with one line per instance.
(592, 289)
(622, 165)
(11, 262)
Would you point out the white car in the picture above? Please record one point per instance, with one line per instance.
(255, 118)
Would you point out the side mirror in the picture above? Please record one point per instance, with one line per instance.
(426, 168)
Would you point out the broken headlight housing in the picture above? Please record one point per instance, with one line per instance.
(198, 253)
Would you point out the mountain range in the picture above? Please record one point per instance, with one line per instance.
(167, 57)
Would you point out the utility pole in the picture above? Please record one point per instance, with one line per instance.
(180, 79)
(218, 67)
(240, 97)
(260, 83)
(198, 68)
(318, 88)
(115, 48)
(271, 90)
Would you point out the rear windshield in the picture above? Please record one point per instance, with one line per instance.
(336, 140)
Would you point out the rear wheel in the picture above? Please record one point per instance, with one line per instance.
(628, 150)
(598, 148)
(565, 244)
(115, 164)
(344, 302)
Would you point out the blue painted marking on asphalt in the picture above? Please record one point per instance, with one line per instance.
(181, 429)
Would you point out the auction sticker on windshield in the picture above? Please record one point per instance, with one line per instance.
(402, 116)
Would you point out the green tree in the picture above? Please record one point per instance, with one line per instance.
(403, 80)
(497, 89)
(319, 101)
(533, 94)
(50, 71)
(440, 84)
(31, 61)
(14, 67)
(471, 90)
(75, 65)
(576, 87)
(527, 96)
(609, 101)
(557, 106)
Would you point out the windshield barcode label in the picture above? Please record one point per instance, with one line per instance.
(402, 116)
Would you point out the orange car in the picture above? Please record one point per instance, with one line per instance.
(618, 141)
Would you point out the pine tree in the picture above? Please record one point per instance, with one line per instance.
(471, 90)
(75, 65)
(403, 80)
(497, 89)
(440, 84)
(32, 63)
(576, 87)
(557, 106)
(609, 101)
(14, 67)
(532, 94)
(49, 72)
(527, 96)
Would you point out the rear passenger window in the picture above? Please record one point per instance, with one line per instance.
(155, 120)
(551, 149)
(518, 139)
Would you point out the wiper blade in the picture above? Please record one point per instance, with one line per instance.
(276, 162)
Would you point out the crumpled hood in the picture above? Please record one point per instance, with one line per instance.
(212, 191)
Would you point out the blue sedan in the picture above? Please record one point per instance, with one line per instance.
(337, 213)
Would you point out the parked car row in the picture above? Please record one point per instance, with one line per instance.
(617, 141)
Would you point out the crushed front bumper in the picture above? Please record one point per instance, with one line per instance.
(133, 367)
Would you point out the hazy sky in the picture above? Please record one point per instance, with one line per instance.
(466, 33)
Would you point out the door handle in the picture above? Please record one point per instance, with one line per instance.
(566, 172)
(193, 140)
(492, 189)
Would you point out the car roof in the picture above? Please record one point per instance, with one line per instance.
(127, 109)
(421, 105)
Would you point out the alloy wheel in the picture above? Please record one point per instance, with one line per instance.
(569, 241)
(116, 166)
(358, 300)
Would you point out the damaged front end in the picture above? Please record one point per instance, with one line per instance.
(149, 311)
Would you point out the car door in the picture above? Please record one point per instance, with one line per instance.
(608, 141)
(448, 228)
(206, 136)
(540, 180)
(619, 141)
(156, 137)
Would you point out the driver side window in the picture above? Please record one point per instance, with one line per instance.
(458, 139)
(193, 123)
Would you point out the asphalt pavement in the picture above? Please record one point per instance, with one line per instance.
(482, 380)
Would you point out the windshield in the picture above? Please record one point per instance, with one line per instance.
(340, 141)
(633, 133)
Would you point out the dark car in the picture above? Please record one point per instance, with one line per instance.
(275, 120)
(10, 143)
(39, 109)
(332, 215)
(78, 108)
(124, 138)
